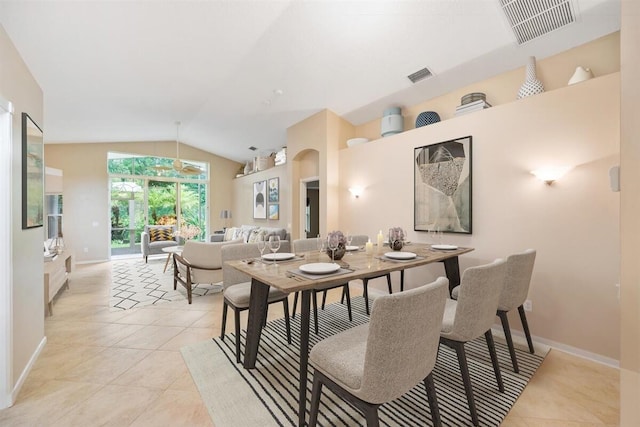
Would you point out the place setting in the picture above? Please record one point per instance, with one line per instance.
(319, 270)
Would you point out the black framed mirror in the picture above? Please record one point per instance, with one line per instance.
(32, 174)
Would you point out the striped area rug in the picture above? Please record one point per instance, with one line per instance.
(267, 395)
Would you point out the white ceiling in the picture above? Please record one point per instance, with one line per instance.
(128, 70)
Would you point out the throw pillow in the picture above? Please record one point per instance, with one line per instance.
(230, 233)
(256, 235)
(160, 234)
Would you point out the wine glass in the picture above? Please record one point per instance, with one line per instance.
(349, 240)
(274, 246)
(333, 243)
(320, 243)
(261, 245)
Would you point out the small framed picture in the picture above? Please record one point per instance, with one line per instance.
(274, 211)
(259, 200)
(274, 190)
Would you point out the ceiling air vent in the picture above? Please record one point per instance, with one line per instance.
(530, 19)
(252, 148)
(420, 75)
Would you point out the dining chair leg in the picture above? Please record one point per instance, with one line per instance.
(525, 327)
(466, 378)
(345, 290)
(371, 415)
(225, 307)
(266, 315)
(324, 298)
(315, 311)
(494, 359)
(295, 305)
(316, 392)
(342, 297)
(365, 294)
(237, 319)
(389, 283)
(507, 334)
(285, 304)
(401, 280)
(433, 400)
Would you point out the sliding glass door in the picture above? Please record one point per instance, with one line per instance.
(127, 215)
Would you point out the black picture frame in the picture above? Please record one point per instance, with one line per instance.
(443, 186)
(32, 174)
(260, 200)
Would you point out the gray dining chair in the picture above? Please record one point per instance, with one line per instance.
(237, 289)
(380, 361)
(309, 245)
(360, 240)
(514, 294)
(471, 316)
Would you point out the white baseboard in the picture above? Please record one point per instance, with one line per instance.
(519, 339)
(26, 370)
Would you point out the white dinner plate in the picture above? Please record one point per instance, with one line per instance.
(400, 255)
(319, 268)
(352, 248)
(278, 256)
(445, 247)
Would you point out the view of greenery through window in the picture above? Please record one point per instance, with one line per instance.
(147, 190)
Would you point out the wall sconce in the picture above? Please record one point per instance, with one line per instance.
(356, 191)
(551, 174)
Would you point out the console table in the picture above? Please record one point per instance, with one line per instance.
(56, 275)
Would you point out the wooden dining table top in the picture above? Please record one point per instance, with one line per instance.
(360, 265)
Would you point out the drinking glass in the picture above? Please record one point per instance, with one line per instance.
(320, 243)
(261, 245)
(333, 243)
(274, 246)
(349, 240)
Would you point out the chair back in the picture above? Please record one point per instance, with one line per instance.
(518, 279)
(402, 346)
(305, 245)
(359, 239)
(206, 255)
(478, 298)
(231, 276)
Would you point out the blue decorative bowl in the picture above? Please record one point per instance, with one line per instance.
(427, 118)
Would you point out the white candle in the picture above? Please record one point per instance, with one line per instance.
(368, 247)
(380, 240)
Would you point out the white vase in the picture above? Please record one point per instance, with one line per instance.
(581, 74)
(531, 85)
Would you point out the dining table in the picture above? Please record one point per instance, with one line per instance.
(287, 276)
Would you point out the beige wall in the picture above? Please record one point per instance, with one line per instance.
(242, 189)
(601, 55)
(573, 224)
(18, 86)
(86, 189)
(630, 222)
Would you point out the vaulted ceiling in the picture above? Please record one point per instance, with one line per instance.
(237, 73)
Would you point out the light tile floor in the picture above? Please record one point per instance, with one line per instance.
(124, 368)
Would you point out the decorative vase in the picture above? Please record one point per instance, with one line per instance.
(338, 253)
(396, 245)
(581, 74)
(531, 85)
(427, 118)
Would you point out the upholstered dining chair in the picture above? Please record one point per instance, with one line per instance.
(380, 361)
(308, 245)
(360, 240)
(514, 294)
(237, 290)
(471, 316)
